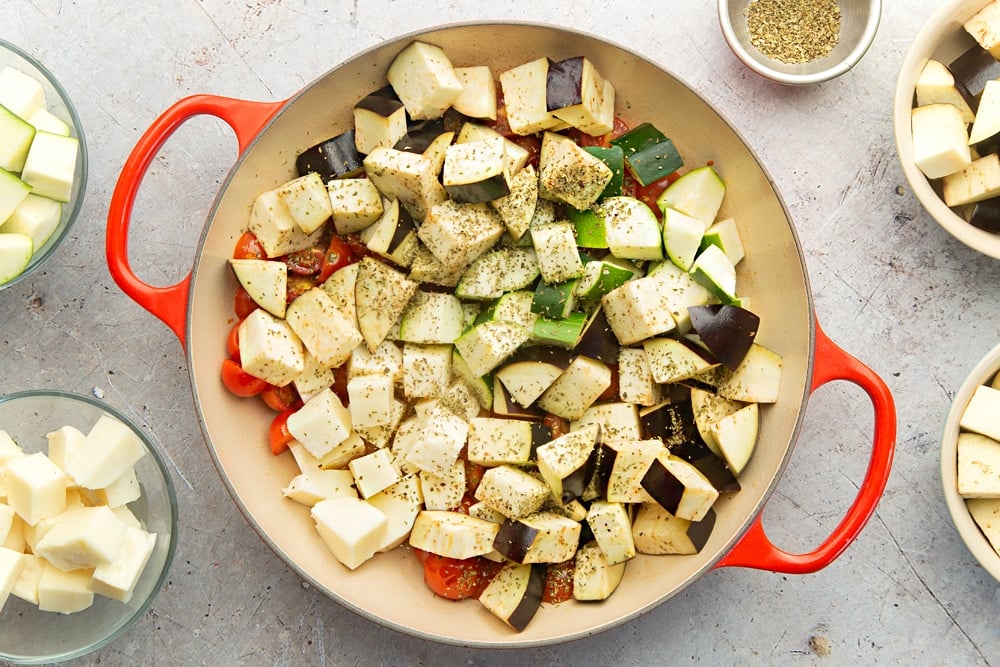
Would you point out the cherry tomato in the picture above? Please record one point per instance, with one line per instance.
(243, 305)
(278, 434)
(559, 582)
(248, 247)
(457, 579)
(557, 425)
(238, 381)
(297, 286)
(337, 256)
(473, 475)
(304, 262)
(233, 342)
(619, 128)
(280, 399)
(649, 193)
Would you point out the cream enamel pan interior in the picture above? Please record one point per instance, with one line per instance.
(389, 589)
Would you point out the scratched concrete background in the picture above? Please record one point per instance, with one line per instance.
(889, 286)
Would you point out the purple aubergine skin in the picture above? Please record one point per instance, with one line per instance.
(379, 104)
(548, 354)
(699, 531)
(564, 84)
(598, 340)
(540, 434)
(337, 157)
(972, 70)
(727, 331)
(404, 227)
(674, 424)
(663, 486)
(531, 600)
(514, 539)
(986, 216)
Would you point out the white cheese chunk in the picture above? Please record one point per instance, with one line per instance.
(63, 442)
(341, 286)
(11, 564)
(438, 442)
(452, 534)
(7, 516)
(374, 472)
(321, 423)
(314, 377)
(370, 400)
(122, 491)
(352, 529)
(117, 579)
(82, 538)
(315, 484)
(400, 502)
(270, 349)
(26, 586)
(36, 487)
(380, 436)
(107, 453)
(64, 592)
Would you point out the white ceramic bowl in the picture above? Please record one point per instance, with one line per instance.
(942, 38)
(30, 636)
(859, 21)
(973, 537)
(58, 103)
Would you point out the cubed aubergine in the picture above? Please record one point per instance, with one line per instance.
(379, 105)
(515, 593)
(564, 83)
(337, 157)
(505, 406)
(514, 539)
(985, 215)
(420, 134)
(598, 341)
(404, 227)
(972, 70)
(699, 531)
(663, 486)
(540, 434)
(697, 453)
(727, 331)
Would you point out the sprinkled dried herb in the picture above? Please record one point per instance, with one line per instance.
(794, 31)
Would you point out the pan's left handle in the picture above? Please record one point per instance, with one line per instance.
(754, 549)
(169, 303)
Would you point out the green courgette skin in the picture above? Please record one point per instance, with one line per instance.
(649, 154)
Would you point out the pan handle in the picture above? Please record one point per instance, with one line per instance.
(754, 549)
(170, 303)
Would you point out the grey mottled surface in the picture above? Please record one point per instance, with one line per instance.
(889, 286)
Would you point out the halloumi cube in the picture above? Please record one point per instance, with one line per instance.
(438, 442)
(110, 449)
(315, 484)
(11, 564)
(64, 592)
(321, 424)
(374, 472)
(84, 537)
(401, 502)
(322, 328)
(443, 492)
(351, 528)
(270, 349)
(118, 578)
(36, 487)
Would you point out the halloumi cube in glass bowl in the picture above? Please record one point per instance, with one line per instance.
(88, 525)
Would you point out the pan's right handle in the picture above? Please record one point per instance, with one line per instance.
(170, 303)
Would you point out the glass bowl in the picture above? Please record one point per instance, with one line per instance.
(31, 636)
(59, 104)
(859, 21)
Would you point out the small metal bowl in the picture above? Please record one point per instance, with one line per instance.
(859, 21)
(979, 546)
(59, 104)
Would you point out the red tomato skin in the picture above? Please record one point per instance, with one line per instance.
(233, 342)
(559, 582)
(338, 255)
(278, 434)
(239, 382)
(304, 262)
(280, 399)
(458, 579)
(243, 305)
(248, 247)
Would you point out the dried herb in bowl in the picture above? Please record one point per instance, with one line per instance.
(794, 31)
